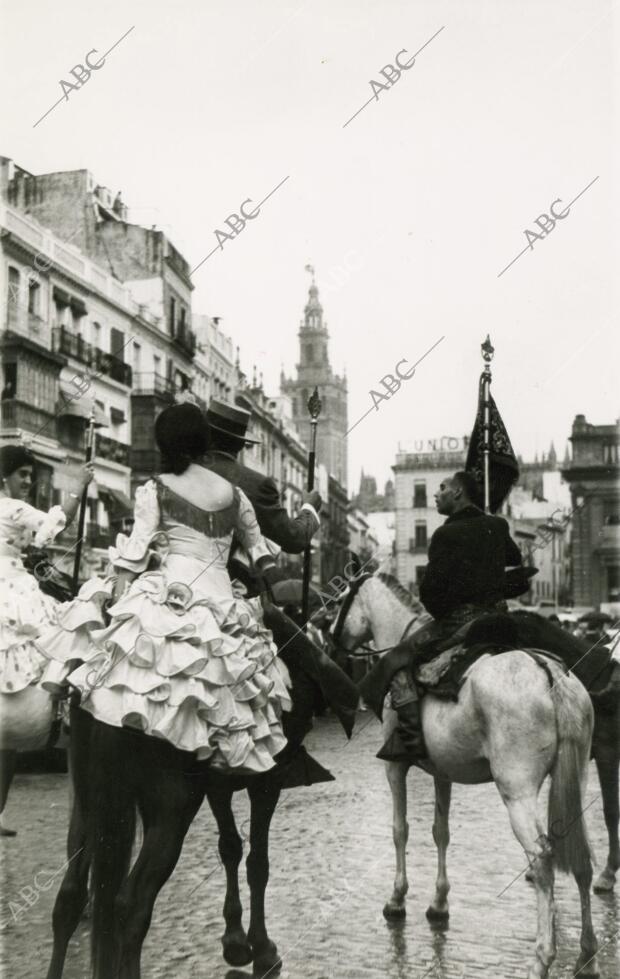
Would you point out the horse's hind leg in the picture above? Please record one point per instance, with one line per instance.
(168, 804)
(263, 800)
(72, 896)
(396, 772)
(237, 950)
(606, 748)
(529, 832)
(438, 910)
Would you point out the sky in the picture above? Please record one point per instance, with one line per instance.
(408, 213)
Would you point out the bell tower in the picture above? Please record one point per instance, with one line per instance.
(314, 369)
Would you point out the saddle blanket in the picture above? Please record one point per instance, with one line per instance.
(444, 675)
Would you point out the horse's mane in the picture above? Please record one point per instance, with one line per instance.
(401, 593)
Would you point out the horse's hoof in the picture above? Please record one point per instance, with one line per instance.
(437, 917)
(236, 951)
(267, 962)
(589, 969)
(604, 883)
(393, 911)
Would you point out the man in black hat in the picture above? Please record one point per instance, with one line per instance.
(228, 426)
(310, 667)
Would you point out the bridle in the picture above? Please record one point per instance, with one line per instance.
(345, 608)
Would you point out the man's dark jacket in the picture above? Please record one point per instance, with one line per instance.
(467, 558)
(292, 534)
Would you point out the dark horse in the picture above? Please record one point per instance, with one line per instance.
(591, 664)
(118, 772)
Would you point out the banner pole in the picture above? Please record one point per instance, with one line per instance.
(487, 350)
(90, 451)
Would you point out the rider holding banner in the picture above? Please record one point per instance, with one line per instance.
(465, 578)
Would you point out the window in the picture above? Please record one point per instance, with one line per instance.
(9, 386)
(309, 354)
(173, 314)
(420, 535)
(156, 364)
(97, 335)
(34, 297)
(610, 452)
(419, 494)
(613, 583)
(117, 343)
(13, 285)
(137, 351)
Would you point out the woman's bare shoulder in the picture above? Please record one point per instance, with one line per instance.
(201, 487)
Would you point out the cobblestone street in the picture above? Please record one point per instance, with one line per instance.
(332, 868)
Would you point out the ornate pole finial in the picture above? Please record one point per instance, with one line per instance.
(314, 405)
(487, 348)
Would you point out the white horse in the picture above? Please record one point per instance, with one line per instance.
(26, 719)
(511, 726)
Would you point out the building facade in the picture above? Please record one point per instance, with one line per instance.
(417, 476)
(594, 478)
(216, 362)
(314, 370)
(77, 338)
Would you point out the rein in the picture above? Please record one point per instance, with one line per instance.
(354, 587)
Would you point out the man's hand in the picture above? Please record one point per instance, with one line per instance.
(313, 497)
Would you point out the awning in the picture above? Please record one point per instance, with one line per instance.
(78, 306)
(78, 405)
(120, 504)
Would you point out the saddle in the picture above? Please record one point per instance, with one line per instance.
(446, 660)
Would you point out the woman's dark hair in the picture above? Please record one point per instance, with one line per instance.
(13, 457)
(181, 436)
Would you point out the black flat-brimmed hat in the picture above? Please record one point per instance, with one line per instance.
(230, 420)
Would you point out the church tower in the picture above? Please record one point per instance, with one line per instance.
(314, 369)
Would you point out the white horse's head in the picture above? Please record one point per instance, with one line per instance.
(352, 625)
(377, 607)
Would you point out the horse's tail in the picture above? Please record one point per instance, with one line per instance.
(566, 823)
(112, 824)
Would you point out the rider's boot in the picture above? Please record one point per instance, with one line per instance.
(406, 743)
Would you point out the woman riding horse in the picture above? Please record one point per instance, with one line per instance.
(26, 712)
(182, 697)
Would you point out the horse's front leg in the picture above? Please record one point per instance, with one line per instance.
(263, 801)
(438, 910)
(236, 948)
(396, 772)
(605, 748)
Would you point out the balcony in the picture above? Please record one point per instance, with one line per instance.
(184, 338)
(20, 414)
(20, 320)
(107, 448)
(72, 345)
(152, 383)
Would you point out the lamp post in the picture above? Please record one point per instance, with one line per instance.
(314, 410)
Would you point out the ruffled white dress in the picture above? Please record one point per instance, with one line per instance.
(183, 657)
(25, 611)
